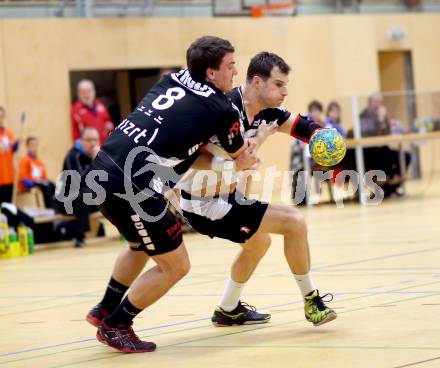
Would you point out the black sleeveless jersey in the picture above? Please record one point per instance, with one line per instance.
(176, 117)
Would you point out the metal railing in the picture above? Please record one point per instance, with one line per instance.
(126, 8)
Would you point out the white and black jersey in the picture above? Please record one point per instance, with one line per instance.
(175, 119)
(195, 179)
(302, 129)
(231, 216)
(278, 115)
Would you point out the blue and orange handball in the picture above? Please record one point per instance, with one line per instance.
(327, 147)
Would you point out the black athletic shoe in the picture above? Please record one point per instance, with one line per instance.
(123, 338)
(78, 243)
(244, 314)
(96, 315)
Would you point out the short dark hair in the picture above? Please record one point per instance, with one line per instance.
(2, 109)
(315, 105)
(206, 52)
(30, 139)
(333, 105)
(263, 63)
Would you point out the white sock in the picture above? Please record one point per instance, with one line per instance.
(305, 283)
(231, 295)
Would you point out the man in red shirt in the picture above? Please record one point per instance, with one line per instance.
(90, 112)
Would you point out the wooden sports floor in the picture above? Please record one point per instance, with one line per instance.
(381, 263)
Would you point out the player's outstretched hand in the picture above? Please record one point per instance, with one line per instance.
(247, 158)
(265, 130)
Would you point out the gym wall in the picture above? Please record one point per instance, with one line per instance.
(331, 57)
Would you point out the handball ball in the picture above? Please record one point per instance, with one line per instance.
(327, 147)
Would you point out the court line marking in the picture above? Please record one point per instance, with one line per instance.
(208, 295)
(417, 363)
(313, 269)
(317, 268)
(56, 345)
(181, 285)
(380, 258)
(86, 301)
(215, 337)
(140, 330)
(204, 326)
(337, 347)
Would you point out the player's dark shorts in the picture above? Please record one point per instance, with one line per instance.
(156, 236)
(241, 221)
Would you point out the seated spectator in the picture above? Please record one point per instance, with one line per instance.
(87, 111)
(32, 173)
(333, 118)
(79, 158)
(8, 145)
(374, 121)
(374, 118)
(315, 112)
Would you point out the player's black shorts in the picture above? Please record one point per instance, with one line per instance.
(158, 233)
(239, 223)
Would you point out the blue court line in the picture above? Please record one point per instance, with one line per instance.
(185, 322)
(168, 325)
(378, 258)
(197, 339)
(295, 294)
(375, 269)
(141, 330)
(94, 339)
(417, 363)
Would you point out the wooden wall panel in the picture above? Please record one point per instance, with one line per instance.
(37, 83)
(154, 42)
(426, 51)
(354, 55)
(309, 53)
(95, 44)
(331, 57)
(3, 101)
(385, 23)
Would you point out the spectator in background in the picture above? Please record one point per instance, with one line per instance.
(87, 111)
(374, 119)
(8, 145)
(32, 173)
(79, 158)
(165, 71)
(315, 112)
(333, 118)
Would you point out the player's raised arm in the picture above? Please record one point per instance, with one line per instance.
(327, 147)
(299, 127)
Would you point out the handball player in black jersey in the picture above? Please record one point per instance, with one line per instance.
(145, 156)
